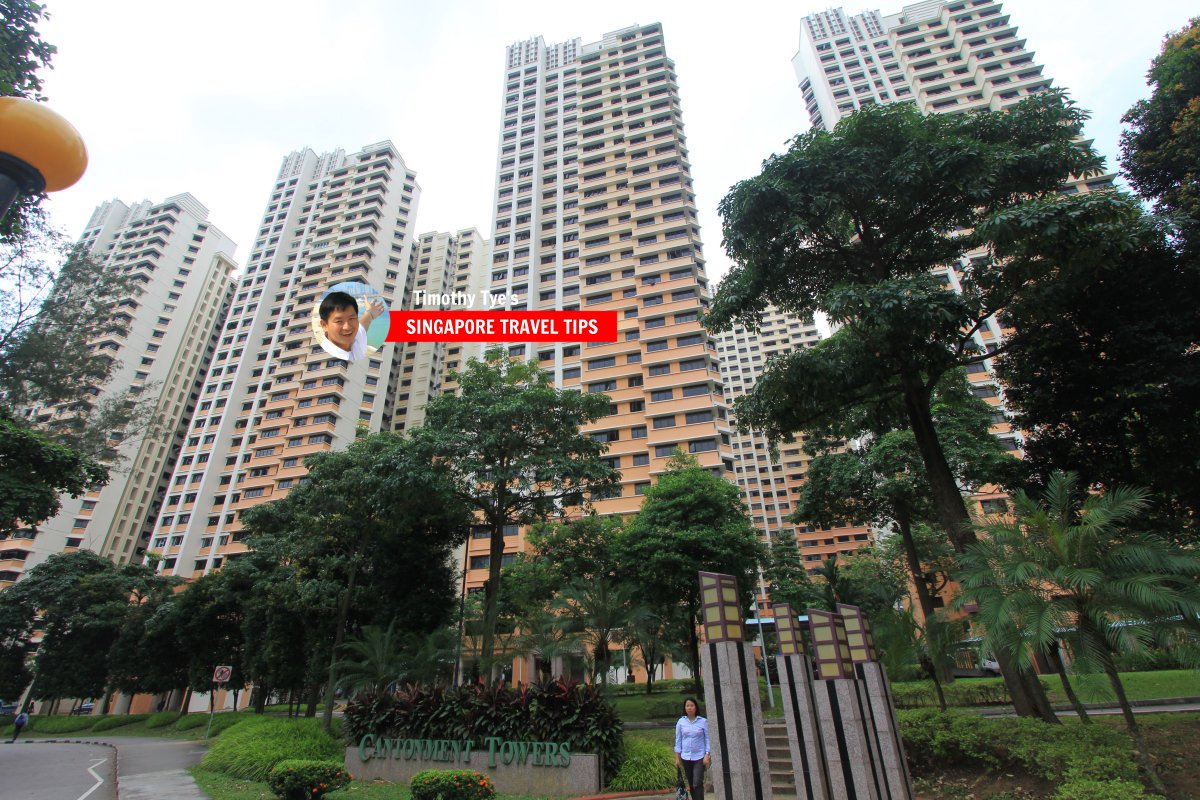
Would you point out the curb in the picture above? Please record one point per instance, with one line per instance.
(1165, 701)
(662, 793)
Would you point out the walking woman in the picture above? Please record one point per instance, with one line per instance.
(691, 747)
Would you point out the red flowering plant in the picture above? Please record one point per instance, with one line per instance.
(301, 779)
(451, 784)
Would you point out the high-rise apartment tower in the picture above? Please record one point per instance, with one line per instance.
(182, 264)
(594, 210)
(273, 395)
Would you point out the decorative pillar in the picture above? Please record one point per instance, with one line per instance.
(739, 747)
(799, 709)
(851, 752)
(877, 694)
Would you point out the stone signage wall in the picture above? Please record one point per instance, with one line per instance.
(537, 768)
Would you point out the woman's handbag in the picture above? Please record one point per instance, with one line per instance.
(681, 789)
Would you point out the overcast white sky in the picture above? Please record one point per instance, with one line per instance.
(208, 97)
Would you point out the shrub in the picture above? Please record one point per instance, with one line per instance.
(220, 722)
(554, 711)
(299, 779)
(57, 724)
(256, 744)
(451, 784)
(162, 719)
(1080, 758)
(1150, 659)
(189, 721)
(118, 721)
(1102, 790)
(647, 766)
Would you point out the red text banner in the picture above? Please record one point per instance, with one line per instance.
(503, 326)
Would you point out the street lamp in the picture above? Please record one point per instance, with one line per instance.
(39, 150)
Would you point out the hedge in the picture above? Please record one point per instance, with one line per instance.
(255, 744)
(553, 711)
(1075, 757)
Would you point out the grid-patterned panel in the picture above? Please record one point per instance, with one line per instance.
(858, 634)
(791, 641)
(830, 648)
(722, 612)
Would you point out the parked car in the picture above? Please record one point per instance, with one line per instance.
(84, 709)
(8, 708)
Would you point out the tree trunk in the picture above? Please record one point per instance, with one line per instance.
(260, 699)
(1055, 658)
(694, 653)
(339, 635)
(1135, 733)
(491, 595)
(924, 598)
(1026, 692)
(948, 501)
(314, 698)
(941, 694)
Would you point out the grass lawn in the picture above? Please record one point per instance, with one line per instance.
(667, 706)
(1138, 686)
(1090, 688)
(222, 787)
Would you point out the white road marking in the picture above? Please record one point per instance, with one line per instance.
(99, 780)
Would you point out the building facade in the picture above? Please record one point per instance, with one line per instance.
(272, 395)
(594, 210)
(182, 263)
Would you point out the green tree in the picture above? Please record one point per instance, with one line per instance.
(81, 601)
(691, 521)
(786, 576)
(342, 529)
(56, 301)
(512, 443)
(654, 634)
(22, 53)
(597, 610)
(1105, 375)
(372, 660)
(1161, 149)
(852, 222)
(1068, 566)
(879, 476)
(34, 474)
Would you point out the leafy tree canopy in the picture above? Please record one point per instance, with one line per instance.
(851, 223)
(1161, 149)
(691, 521)
(512, 444)
(34, 474)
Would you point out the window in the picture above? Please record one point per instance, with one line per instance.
(691, 364)
(702, 445)
(659, 395)
(641, 459)
(699, 416)
(664, 422)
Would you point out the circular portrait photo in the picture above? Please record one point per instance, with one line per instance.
(350, 321)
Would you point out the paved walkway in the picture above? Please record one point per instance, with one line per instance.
(148, 768)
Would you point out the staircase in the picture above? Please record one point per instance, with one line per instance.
(779, 759)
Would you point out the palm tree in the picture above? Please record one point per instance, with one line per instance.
(1069, 567)
(597, 610)
(374, 659)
